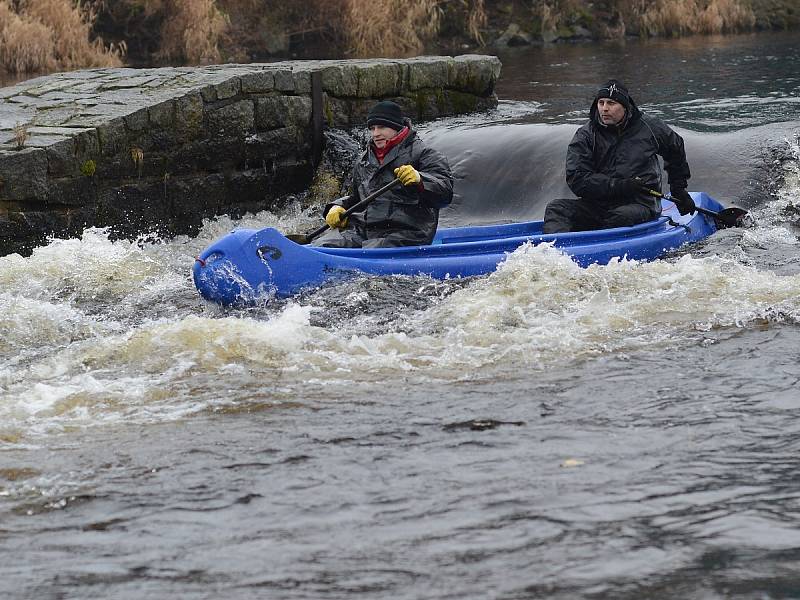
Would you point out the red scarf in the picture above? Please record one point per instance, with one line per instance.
(380, 153)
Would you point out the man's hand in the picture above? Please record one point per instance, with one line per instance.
(625, 188)
(683, 201)
(407, 174)
(334, 217)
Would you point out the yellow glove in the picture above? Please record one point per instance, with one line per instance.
(407, 174)
(334, 217)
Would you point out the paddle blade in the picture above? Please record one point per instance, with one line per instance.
(298, 238)
(733, 217)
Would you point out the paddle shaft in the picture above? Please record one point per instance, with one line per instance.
(727, 217)
(356, 207)
(700, 209)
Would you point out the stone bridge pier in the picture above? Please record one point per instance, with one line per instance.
(161, 149)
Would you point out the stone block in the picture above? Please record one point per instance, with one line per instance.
(379, 80)
(42, 140)
(23, 174)
(55, 117)
(12, 115)
(475, 74)
(282, 111)
(231, 120)
(284, 80)
(137, 121)
(72, 192)
(337, 112)
(425, 104)
(194, 198)
(87, 145)
(340, 81)
(37, 225)
(302, 80)
(112, 137)
(270, 145)
(426, 74)
(209, 94)
(228, 89)
(61, 159)
(162, 114)
(210, 155)
(135, 207)
(189, 116)
(258, 82)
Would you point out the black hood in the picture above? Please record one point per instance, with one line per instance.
(617, 91)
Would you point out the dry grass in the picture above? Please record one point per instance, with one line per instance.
(554, 14)
(20, 135)
(190, 31)
(723, 16)
(388, 27)
(476, 19)
(25, 45)
(649, 17)
(680, 17)
(360, 28)
(47, 35)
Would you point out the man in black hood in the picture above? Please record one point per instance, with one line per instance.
(405, 215)
(611, 163)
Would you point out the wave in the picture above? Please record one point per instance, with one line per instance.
(508, 172)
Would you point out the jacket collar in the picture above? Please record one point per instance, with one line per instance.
(382, 153)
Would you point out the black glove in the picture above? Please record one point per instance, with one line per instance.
(683, 201)
(625, 188)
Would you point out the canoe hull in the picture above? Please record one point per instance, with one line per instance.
(249, 266)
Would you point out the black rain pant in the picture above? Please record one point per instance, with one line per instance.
(575, 214)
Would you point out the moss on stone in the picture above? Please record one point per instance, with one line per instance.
(328, 113)
(324, 187)
(441, 100)
(462, 103)
(421, 102)
(88, 168)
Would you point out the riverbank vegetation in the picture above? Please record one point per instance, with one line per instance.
(51, 35)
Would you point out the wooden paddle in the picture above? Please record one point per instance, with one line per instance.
(729, 217)
(305, 238)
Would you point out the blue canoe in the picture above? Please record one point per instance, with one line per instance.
(247, 265)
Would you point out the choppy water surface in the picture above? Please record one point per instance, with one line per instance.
(625, 431)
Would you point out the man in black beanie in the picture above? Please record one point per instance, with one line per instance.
(611, 163)
(403, 216)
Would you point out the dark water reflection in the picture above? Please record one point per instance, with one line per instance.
(703, 83)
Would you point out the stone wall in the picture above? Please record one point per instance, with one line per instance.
(161, 149)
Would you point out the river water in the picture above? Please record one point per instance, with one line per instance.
(622, 431)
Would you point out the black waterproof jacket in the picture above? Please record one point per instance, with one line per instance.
(403, 209)
(599, 154)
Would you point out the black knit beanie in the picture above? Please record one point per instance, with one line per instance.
(615, 90)
(386, 113)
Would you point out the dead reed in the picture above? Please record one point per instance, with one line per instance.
(190, 30)
(20, 135)
(47, 35)
(476, 20)
(25, 45)
(681, 17)
(388, 27)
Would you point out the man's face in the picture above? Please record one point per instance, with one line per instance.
(381, 134)
(610, 111)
